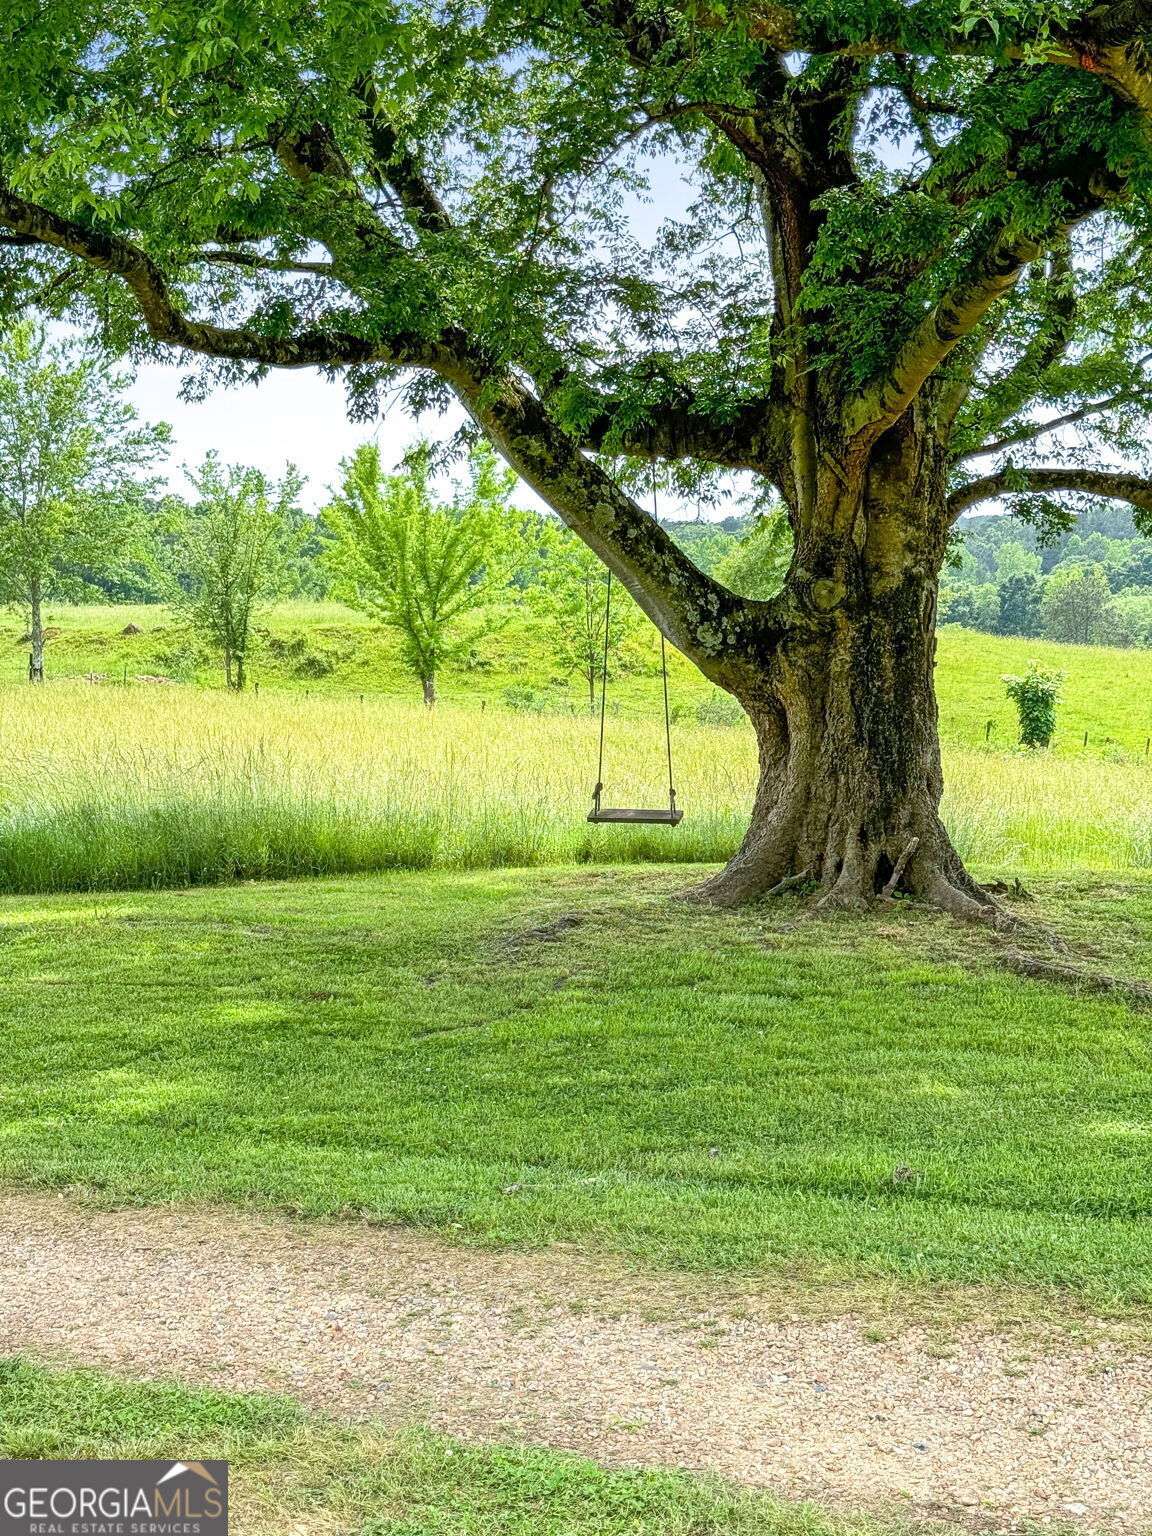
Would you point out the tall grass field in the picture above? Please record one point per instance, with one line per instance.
(119, 787)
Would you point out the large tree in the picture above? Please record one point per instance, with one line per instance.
(916, 244)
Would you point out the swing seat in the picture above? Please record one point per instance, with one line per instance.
(633, 815)
(669, 817)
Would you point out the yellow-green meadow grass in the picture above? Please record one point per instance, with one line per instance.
(105, 786)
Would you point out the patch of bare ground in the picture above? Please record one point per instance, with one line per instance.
(990, 1409)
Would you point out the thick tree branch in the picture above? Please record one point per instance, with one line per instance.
(264, 263)
(900, 32)
(953, 318)
(704, 619)
(1107, 40)
(1093, 482)
(718, 630)
(397, 166)
(167, 323)
(750, 441)
(691, 608)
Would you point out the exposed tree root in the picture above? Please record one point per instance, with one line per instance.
(789, 883)
(1136, 992)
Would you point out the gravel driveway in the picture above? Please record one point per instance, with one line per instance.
(552, 1348)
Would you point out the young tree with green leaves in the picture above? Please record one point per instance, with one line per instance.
(1035, 696)
(71, 451)
(570, 598)
(231, 553)
(1077, 604)
(915, 276)
(429, 570)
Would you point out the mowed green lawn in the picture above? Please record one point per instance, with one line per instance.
(683, 1086)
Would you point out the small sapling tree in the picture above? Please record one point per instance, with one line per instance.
(1036, 696)
(231, 555)
(427, 569)
(69, 446)
(570, 600)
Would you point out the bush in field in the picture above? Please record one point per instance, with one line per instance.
(536, 701)
(1036, 696)
(720, 708)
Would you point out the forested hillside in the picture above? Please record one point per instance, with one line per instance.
(1090, 584)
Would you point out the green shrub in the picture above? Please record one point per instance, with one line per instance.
(720, 708)
(313, 665)
(536, 701)
(1036, 696)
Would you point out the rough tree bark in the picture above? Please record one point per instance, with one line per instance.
(428, 684)
(843, 702)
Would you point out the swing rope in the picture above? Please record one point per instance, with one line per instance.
(667, 722)
(673, 815)
(603, 690)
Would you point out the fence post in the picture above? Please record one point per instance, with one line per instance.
(988, 730)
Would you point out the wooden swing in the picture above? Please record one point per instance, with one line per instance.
(654, 816)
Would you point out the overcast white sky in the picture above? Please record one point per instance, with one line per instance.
(295, 416)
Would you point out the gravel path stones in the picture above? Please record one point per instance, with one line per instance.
(366, 1322)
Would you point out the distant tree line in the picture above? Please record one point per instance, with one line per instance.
(1090, 584)
(82, 516)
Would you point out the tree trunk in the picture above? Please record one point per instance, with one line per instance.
(227, 667)
(429, 686)
(36, 635)
(844, 710)
(240, 675)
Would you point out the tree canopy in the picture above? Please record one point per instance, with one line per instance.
(452, 189)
